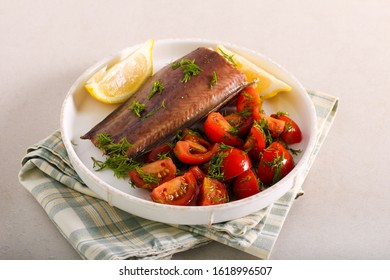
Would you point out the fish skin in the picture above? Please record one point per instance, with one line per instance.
(185, 103)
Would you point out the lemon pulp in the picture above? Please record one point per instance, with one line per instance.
(116, 83)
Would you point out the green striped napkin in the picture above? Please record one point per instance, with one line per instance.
(97, 230)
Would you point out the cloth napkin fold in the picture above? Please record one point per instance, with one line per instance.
(97, 230)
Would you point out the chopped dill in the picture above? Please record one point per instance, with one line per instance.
(190, 68)
(137, 108)
(228, 57)
(154, 110)
(214, 80)
(156, 88)
(215, 166)
(147, 177)
(117, 159)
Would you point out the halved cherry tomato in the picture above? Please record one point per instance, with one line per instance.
(242, 123)
(153, 174)
(275, 126)
(292, 133)
(158, 152)
(198, 173)
(248, 99)
(178, 191)
(255, 142)
(275, 163)
(194, 136)
(219, 130)
(245, 185)
(212, 192)
(234, 162)
(193, 153)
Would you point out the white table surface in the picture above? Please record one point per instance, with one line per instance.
(340, 47)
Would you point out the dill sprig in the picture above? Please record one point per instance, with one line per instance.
(228, 57)
(156, 88)
(147, 177)
(262, 125)
(190, 68)
(154, 110)
(121, 165)
(109, 147)
(215, 166)
(214, 80)
(137, 108)
(117, 159)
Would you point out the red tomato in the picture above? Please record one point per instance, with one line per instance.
(245, 185)
(248, 99)
(194, 136)
(219, 130)
(193, 153)
(153, 174)
(275, 163)
(255, 142)
(234, 162)
(198, 173)
(275, 126)
(212, 192)
(155, 154)
(178, 191)
(241, 123)
(292, 133)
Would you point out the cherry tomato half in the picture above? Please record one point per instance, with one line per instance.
(248, 99)
(198, 173)
(178, 191)
(275, 163)
(218, 130)
(153, 174)
(245, 185)
(234, 162)
(275, 126)
(212, 192)
(194, 136)
(292, 133)
(193, 153)
(158, 152)
(255, 142)
(241, 123)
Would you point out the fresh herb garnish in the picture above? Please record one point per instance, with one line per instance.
(137, 108)
(228, 57)
(109, 147)
(262, 125)
(215, 166)
(190, 68)
(246, 112)
(147, 177)
(154, 110)
(117, 156)
(223, 147)
(277, 165)
(121, 165)
(214, 80)
(156, 88)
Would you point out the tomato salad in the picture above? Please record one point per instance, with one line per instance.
(232, 156)
(229, 156)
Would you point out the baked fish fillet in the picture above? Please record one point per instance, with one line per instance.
(180, 104)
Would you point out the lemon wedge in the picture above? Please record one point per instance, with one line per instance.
(116, 83)
(267, 85)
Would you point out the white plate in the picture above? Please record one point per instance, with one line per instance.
(80, 113)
